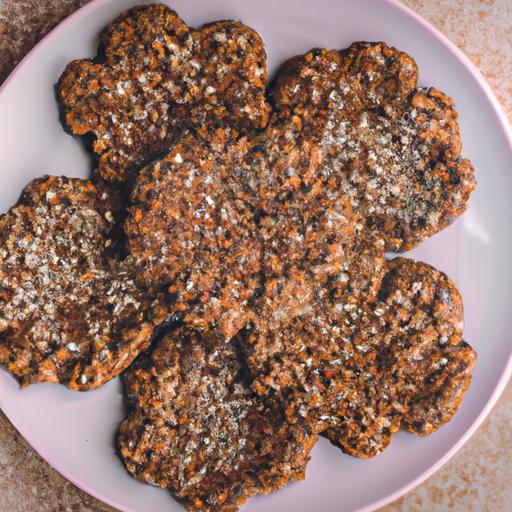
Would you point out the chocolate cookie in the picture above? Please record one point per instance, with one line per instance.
(154, 74)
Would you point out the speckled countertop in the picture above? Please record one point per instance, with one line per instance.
(479, 477)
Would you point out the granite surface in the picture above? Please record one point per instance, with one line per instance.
(479, 477)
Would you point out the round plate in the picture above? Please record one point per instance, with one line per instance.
(75, 432)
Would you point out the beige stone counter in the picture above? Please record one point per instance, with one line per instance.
(479, 477)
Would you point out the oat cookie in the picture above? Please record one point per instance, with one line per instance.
(408, 365)
(154, 74)
(191, 232)
(68, 313)
(196, 428)
(363, 369)
(391, 148)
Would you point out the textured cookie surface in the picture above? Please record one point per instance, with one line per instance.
(153, 75)
(408, 365)
(305, 228)
(196, 428)
(67, 312)
(363, 369)
(190, 230)
(392, 149)
(291, 353)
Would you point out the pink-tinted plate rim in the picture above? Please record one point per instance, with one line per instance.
(507, 373)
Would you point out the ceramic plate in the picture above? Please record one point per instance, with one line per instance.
(75, 432)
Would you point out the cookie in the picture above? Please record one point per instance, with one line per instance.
(196, 428)
(368, 75)
(362, 370)
(154, 74)
(393, 149)
(410, 367)
(192, 234)
(68, 313)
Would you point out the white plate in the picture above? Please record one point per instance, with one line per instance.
(75, 432)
